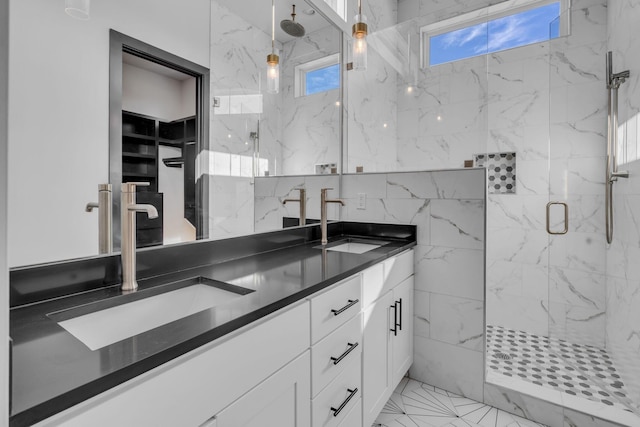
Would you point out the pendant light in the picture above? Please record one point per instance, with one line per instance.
(359, 47)
(273, 61)
(78, 9)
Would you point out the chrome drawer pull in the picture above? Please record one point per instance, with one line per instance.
(337, 360)
(341, 407)
(352, 302)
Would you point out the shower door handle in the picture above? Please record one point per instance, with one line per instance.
(566, 218)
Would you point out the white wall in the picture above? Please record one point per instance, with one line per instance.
(156, 95)
(4, 161)
(59, 112)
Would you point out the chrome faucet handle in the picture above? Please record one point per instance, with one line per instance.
(130, 187)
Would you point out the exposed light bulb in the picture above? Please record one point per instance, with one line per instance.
(273, 60)
(273, 74)
(360, 43)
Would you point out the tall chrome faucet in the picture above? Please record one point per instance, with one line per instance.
(303, 205)
(323, 212)
(128, 209)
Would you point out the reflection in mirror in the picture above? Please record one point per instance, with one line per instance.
(59, 113)
(254, 134)
(158, 128)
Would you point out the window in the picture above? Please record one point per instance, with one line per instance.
(320, 75)
(493, 29)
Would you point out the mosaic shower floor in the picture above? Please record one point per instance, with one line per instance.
(415, 404)
(581, 373)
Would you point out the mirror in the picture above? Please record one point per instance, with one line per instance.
(59, 113)
(158, 127)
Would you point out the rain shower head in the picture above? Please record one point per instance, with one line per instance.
(291, 27)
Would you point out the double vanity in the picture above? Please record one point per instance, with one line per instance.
(267, 329)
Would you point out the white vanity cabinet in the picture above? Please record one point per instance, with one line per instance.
(388, 331)
(191, 389)
(282, 400)
(331, 360)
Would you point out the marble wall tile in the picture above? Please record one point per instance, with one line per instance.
(525, 406)
(457, 223)
(578, 251)
(457, 321)
(421, 313)
(447, 366)
(517, 312)
(518, 245)
(451, 271)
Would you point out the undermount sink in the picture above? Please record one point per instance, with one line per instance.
(353, 246)
(101, 326)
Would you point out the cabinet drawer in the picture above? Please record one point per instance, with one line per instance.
(334, 353)
(342, 394)
(398, 268)
(335, 307)
(354, 417)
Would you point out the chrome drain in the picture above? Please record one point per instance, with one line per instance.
(503, 356)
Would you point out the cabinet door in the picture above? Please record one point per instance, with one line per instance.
(282, 400)
(376, 358)
(402, 342)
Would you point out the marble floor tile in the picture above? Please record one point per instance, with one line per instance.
(418, 404)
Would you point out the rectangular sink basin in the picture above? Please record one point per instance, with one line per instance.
(352, 245)
(354, 248)
(105, 326)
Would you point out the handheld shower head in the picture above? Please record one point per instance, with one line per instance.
(291, 27)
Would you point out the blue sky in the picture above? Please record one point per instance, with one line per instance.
(519, 29)
(323, 79)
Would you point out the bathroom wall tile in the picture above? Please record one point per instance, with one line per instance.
(520, 313)
(503, 277)
(457, 321)
(421, 313)
(533, 177)
(518, 245)
(578, 325)
(451, 271)
(457, 223)
(447, 366)
(579, 419)
(577, 288)
(520, 404)
(578, 251)
(569, 141)
(576, 65)
(374, 185)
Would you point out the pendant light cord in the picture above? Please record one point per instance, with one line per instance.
(273, 26)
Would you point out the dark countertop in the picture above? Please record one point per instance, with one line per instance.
(52, 370)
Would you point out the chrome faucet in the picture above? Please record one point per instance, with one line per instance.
(104, 206)
(303, 205)
(323, 212)
(128, 209)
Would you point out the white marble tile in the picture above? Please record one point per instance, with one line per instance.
(421, 313)
(518, 245)
(517, 312)
(450, 367)
(373, 185)
(577, 288)
(529, 407)
(578, 251)
(457, 321)
(450, 271)
(457, 223)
